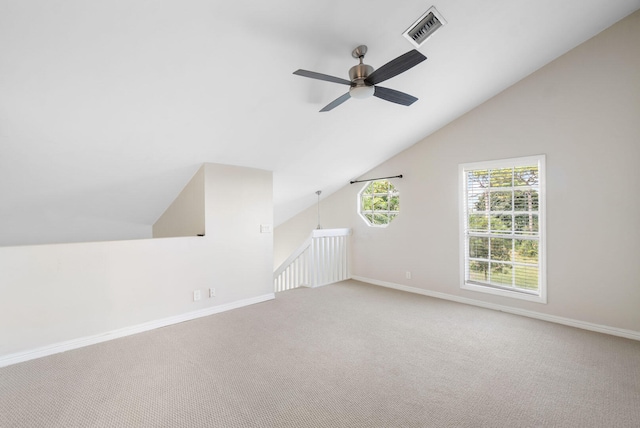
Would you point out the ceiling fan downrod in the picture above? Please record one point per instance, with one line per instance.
(358, 73)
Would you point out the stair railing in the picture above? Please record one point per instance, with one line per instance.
(323, 258)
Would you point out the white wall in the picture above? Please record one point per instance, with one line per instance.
(186, 214)
(582, 111)
(56, 226)
(238, 201)
(55, 293)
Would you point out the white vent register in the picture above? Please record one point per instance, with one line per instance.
(424, 27)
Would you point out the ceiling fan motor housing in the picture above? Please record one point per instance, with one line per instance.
(359, 89)
(360, 72)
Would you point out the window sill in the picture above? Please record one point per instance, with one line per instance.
(542, 298)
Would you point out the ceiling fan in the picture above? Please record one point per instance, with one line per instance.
(364, 79)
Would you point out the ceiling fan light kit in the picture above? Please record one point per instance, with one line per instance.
(364, 79)
(361, 92)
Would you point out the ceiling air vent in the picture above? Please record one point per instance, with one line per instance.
(424, 27)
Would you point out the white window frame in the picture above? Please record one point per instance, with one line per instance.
(362, 216)
(540, 160)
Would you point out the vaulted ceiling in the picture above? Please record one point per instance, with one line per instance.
(108, 107)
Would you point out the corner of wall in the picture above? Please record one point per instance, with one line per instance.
(186, 214)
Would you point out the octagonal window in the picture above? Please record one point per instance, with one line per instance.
(379, 203)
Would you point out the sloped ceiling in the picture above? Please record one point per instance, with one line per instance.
(107, 108)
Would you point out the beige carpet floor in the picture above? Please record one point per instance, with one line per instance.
(344, 355)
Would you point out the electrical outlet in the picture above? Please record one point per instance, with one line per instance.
(408, 275)
(196, 295)
(212, 292)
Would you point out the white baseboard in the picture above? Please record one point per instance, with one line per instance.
(19, 357)
(629, 334)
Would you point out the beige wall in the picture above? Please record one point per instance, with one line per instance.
(56, 293)
(186, 215)
(583, 112)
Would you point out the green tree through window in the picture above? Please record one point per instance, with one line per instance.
(379, 203)
(501, 225)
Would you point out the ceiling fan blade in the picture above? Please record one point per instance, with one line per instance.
(394, 96)
(395, 67)
(335, 103)
(320, 76)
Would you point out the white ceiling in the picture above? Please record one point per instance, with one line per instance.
(108, 107)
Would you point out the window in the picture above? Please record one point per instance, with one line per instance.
(379, 203)
(502, 227)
